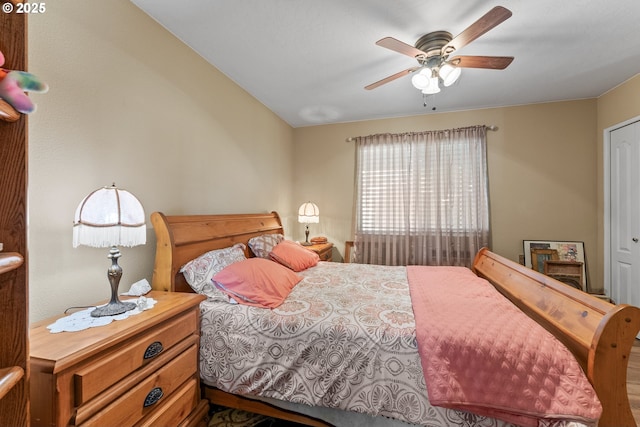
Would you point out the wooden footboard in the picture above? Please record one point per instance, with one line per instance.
(598, 333)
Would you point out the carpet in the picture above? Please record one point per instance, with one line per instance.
(227, 417)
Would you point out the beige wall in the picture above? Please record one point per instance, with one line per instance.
(130, 103)
(616, 106)
(542, 163)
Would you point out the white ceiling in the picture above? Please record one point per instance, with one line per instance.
(308, 61)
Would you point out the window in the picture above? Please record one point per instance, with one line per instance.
(420, 195)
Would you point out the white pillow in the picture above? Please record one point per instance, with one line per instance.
(199, 272)
(263, 244)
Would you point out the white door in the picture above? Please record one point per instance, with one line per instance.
(624, 234)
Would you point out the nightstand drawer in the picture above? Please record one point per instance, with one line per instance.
(325, 256)
(131, 356)
(150, 394)
(176, 408)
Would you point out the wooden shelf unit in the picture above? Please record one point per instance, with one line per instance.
(14, 324)
(10, 261)
(10, 376)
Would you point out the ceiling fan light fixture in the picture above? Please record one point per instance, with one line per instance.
(432, 52)
(433, 87)
(421, 79)
(449, 74)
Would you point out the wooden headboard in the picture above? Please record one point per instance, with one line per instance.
(598, 333)
(181, 238)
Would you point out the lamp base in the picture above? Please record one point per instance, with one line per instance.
(113, 308)
(306, 236)
(114, 273)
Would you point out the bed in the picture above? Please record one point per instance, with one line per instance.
(598, 334)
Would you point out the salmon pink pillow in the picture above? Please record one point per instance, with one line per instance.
(294, 256)
(198, 272)
(257, 281)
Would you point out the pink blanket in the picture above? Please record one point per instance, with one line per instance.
(482, 354)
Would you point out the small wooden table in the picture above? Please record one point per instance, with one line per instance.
(569, 272)
(324, 250)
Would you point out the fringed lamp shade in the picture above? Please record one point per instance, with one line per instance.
(308, 213)
(110, 217)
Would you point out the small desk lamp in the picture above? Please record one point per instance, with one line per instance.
(308, 214)
(110, 217)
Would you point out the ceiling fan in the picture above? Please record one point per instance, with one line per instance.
(433, 50)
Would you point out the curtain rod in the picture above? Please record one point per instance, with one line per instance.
(489, 127)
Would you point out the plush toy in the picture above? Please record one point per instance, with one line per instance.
(14, 84)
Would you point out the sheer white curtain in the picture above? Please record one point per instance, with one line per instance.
(422, 198)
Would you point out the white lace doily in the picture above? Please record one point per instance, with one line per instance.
(81, 320)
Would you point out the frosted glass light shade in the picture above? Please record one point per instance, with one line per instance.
(308, 213)
(420, 80)
(449, 74)
(109, 216)
(433, 87)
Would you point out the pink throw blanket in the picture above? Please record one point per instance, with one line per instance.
(481, 354)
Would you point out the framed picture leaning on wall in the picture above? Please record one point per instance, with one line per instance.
(566, 251)
(539, 256)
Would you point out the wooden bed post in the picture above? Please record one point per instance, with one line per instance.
(163, 277)
(598, 333)
(608, 363)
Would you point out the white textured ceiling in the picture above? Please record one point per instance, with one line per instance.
(308, 61)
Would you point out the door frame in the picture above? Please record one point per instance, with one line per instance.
(607, 199)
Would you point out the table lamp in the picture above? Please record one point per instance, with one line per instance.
(308, 214)
(110, 217)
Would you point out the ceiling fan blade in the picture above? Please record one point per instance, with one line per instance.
(400, 47)
(391, 78)
(491, 62)
(491, 19)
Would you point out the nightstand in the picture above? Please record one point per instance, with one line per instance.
(140, 371)
(324, 251)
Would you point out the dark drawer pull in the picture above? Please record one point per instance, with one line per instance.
(154, 349)
(152, 398)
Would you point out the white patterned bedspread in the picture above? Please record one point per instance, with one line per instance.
(344, 338)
